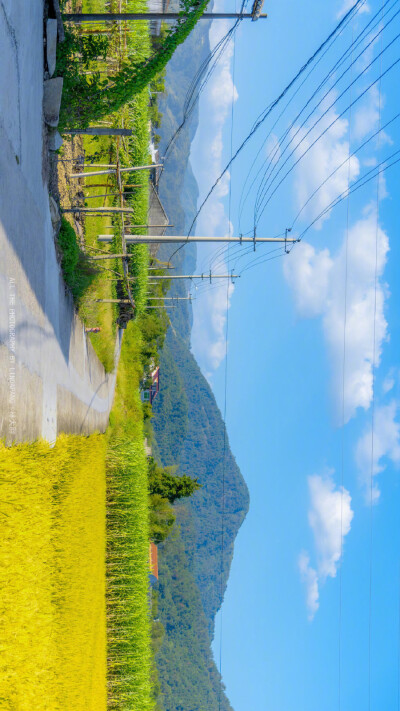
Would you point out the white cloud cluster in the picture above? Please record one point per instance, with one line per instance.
(330, 517)
(328, 153)
(210, 309)
(371, 453)
(318, 280)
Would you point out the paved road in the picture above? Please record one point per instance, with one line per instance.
(50, 377)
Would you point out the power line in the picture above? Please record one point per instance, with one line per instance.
(266, 201)
(352, 155)
(200, 83)
(357, 185)
(343, 413)
(373, 366)
(226, 383)
(272, 106)
(338, 63)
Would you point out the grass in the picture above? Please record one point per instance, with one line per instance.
(129, 625)
(78, 271)
(75, 621)
(102, 287)
(52, 575)
(131, 151)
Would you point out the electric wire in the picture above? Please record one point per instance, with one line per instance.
(226, 387)
(337, 65)
(354, 44)
(199, 82)
(357, 185)
(373, 367)
(332, 123)
(352, 155)
(342, 23)
(275, 103)
(364, 180)
(343, 411)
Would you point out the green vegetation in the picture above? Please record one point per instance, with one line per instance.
(90, 97)
(128, 618)
(164, 489)
(78, 270)
(133, 517)
(164, 482)
(134, 150)
(188, 430)
(188, 675)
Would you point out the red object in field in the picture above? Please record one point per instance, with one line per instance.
(153, 556)
(96, 329)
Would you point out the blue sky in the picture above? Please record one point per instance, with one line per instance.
(312, 608)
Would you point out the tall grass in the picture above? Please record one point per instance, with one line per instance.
(128, 613)
(52, 575)
(128, 621)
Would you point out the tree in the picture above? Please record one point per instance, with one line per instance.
(92, 99)
(164, 482)
(161, 518)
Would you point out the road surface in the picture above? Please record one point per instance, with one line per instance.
(51, 380)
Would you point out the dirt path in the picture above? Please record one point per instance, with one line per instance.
(50, 377)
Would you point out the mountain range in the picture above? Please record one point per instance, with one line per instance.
(189, 431)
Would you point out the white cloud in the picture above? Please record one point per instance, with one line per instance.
(328, 153)
(389, 382)
(309, 275)
(210, 308)
(309, 577)
(273, 149)
(371, 455)
(348, 4)
(366, 118)
(318, 282)
(330, 516)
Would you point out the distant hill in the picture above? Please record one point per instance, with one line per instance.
(190, 432)
(196, 442)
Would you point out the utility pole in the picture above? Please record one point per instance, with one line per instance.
(109, 238)
(149, 298)
(187, 276)
(118, 210)
(113, 256)
(99, 131)
(150, 239)
(169, 298)
(79, 18)
(121, 170)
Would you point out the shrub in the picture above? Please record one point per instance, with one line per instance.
(77, 268)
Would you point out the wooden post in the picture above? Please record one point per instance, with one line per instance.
(98, 209)
(113, 256)
(121, 170)
(99, 131)
(123, 16)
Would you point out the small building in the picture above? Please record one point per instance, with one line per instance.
(153, 561)
(150, 386)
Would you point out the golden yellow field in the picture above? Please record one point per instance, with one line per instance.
(52, 576)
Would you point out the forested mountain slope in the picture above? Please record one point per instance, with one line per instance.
(190, 432)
